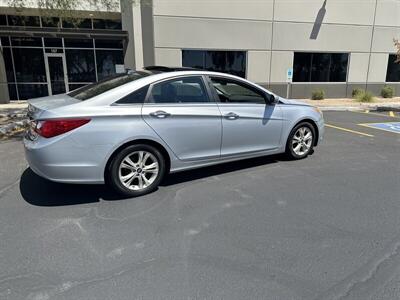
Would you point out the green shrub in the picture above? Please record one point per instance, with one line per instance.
(318, 95)
(356, 92)
(365, 97)
(387, 92)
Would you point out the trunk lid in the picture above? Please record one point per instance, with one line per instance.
(38, 106)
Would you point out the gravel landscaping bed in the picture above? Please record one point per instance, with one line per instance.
(13, 122)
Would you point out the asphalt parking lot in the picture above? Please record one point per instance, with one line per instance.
(327, 227)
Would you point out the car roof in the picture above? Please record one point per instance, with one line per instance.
(170, 69)
(154, 74)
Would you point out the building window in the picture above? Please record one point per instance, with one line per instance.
(107, 24)
(5, 41)
(106, 61)
(26, 41)
(29, 65)
(87, 60)
(78, 43)
(53, 42)
(109, 44)
(232, 62)
(393, 69)
(8, 64)
(33, 21)
(27, 91)
(80, 65)
(3, 20)
(76, 23)
(320, 67)
(51, 22)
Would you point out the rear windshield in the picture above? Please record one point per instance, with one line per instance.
(94, 89)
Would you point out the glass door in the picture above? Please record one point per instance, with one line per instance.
(56, 73)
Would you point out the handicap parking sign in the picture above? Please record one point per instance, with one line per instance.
(289, 75)
(387, 126)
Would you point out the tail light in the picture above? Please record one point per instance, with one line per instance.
(51, 128)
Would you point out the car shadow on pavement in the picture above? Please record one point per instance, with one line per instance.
(41, 192)
(224, 168)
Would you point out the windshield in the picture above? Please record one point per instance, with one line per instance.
(95, 89)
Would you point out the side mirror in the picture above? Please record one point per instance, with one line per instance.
(270, 98)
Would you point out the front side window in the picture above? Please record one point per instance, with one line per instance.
(320, 67)
(393, 69)
(231, 62)
(231, 91)
(189, 89)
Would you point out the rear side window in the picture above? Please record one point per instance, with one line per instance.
(189, 89)
(136, 97)
(89, 91)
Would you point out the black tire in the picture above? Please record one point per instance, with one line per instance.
(290, 152)
(113, 172)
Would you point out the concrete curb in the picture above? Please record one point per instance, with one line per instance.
(395, 108)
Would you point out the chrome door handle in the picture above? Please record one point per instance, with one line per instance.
(159, 114)
(231, 116)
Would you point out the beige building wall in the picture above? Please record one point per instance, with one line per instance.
(168, 57)
(357, 12)
(388, 13)
(378, 67)
(271, 31)
(195, 33)
(224, 9)
(258, 66)
(358, 67)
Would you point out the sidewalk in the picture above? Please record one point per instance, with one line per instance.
(351, 104)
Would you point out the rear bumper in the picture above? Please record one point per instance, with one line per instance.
(52, 161)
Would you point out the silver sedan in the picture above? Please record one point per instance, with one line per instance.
(132, 129)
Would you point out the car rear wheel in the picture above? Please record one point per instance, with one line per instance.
(137, 170)
(301, 141)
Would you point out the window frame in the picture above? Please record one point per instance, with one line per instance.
(312, 53)
(267, 97)
(387, 70)
(204, 59)
(208, 92)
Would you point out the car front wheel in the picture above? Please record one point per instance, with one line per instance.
(137, 170)
(301, 141)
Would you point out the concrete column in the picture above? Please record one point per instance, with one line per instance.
(4, 96)
(132, 23)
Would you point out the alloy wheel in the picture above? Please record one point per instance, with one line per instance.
(138, 170)
(302, 141)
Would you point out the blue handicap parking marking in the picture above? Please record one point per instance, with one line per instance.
(387, 126)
